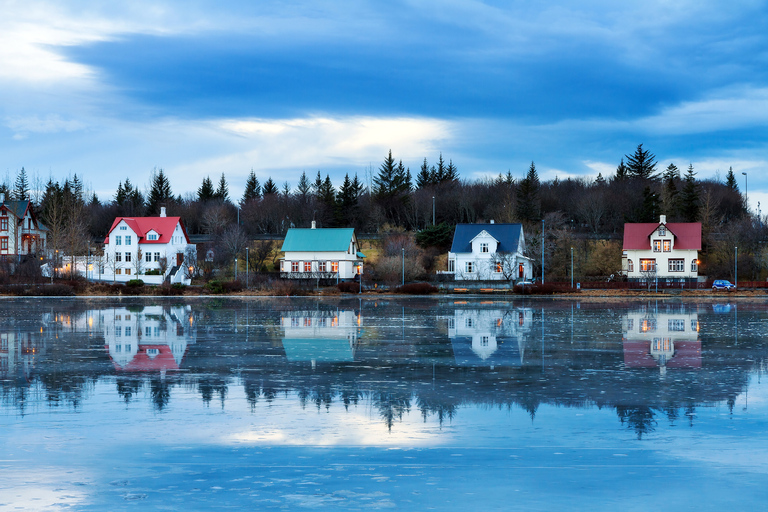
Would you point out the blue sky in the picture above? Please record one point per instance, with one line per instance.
(200, 88)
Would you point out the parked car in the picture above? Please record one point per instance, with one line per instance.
(722, 284)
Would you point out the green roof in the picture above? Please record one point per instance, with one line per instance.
(318, 349)
(318, 240)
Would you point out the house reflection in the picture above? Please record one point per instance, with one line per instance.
(490, 337)
(151, 338)
(665, 339)
(321, 336)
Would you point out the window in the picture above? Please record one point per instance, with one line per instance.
(657, 246)
(630, 266)
(630, 324)
(321, 266)
(157, 256)
(148, 331)
(648, 265)
(694, 265)
(123, 228)
(118, 256)
(497, 267)
(469, 322)
(484, 247)
(3, 223)
(118, 271)
(676, 325)
(4, 243)
(118, 240)
(127, 257)
(307, 266)
(695, 325)
(661, 344)
(469, 266)
(127, 240)
(127, 271)
(128, 333)
(152, 236)
(294, 266)
(118, 331)
(648, 325)
(485, 341)
(667, 245)
(334, 266)
(451, 265)
(148, 257)
(662, 231)
(677, 265)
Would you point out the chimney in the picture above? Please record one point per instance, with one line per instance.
(493, 221)
(314, 225)
(2, 197)
(662, 219)
(162, 211)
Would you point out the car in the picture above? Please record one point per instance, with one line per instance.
(722, 284)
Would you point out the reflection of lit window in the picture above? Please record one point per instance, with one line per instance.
(498, 267)
(307, 322)
(294, 321)
(484, 340)
(498, 322)
(676, 325)
(335, 322)
(648, 325)
(662, 344)
(695, 325)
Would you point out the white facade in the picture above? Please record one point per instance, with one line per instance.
(20, 231)
(481, 334)
(326, 253)
(661, 259)
(487, 262)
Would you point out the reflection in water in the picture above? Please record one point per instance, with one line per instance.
(394, 356)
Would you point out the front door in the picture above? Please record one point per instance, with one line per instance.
(520, 271)
(179, 258)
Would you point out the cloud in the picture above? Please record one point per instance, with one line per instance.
(50, 124)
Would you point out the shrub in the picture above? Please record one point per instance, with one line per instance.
(287, 287)
(152, 272)
(170, 289)
(133, 283)
(542, 289)
(348, 287)
(106, 288)
(416, 289)
(214, 286)
(49, 290)
(232, 286)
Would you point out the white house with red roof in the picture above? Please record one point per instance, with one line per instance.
(152, 249)
(662, 250)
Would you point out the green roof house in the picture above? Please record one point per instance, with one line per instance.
(325, 253)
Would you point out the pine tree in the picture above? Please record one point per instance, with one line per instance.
(600, 181)
(222, 192)
(439, 174)
(689, 197)
(347, 202)
(159, 193)
(391, 179)
(649, 210)
(641, 164)
(730, 180)
(252, 188)
(423, 178)
(269, 187)
(528, 201)
(451, 172)
(622, 173)
(304, 187)
(206, 192)
(21, 188)
(669, 193)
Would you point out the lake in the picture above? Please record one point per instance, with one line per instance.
(353, 404)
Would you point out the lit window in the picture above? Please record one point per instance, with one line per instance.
(294, 266)
(647, 265)
(498, 267)
(657, 246)
(334, 266)
(307, 266)
(648, 325)
(667, 245)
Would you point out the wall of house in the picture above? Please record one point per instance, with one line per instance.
(347, 262)
(484, 258)
(662, 263)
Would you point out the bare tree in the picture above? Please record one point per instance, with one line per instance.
(190, 261)
(263, 248)
(163, 264)
(138, 264)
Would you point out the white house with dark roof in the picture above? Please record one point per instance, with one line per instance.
(21, 233)
(136, 246)
(325, 253)
(489, 252)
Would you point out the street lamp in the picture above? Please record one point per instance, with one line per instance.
(235, 268)
(403, 249)
(433, 210)
(247, 267)
(736, 266)
(746, 190)
(542, 251)
(571, 267)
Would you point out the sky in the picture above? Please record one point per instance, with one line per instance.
(115, 90)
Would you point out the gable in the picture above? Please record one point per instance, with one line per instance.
(507, 236)
(687, 235)
(164, 227)
(318, 240)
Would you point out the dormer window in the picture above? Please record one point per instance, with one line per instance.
(662, 230)
(484, 247)
(152, 236)
(123, 228)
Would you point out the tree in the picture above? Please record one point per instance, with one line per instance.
(206, 192)
(730, 180)
(269, 187)
(138, 263)
(252, 188)
(424, 178)
(159, 193)
(391, 180)
(622, 173)
(304, 187)
(669, 192)
(689, 197)
(649, 209)
(641, 164)
(528, 200)
(222, 191)
(21, 188)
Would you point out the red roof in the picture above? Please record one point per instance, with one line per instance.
(637, 354)
(143, 362)
(637, 236)
(163, 226)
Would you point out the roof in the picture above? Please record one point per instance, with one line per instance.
(508, 236)
(318, 240)
(163, 226)
(18, 208)
(687, 235)
(325, 350)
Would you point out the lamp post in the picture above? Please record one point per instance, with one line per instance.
(571, 267)
(247, 267)
(235, 268)
(542, 251)
(736, 266)
(746, 190)
(433, 210)
(403, 250)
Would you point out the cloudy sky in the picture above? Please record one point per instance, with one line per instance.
(114, 90)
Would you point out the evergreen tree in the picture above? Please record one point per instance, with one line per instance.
(600, 181)
(730, 180)
(222, 192)
(391, 179)
(347, 202)
(528, 200)
(440, 172)
(669, 194)
(689, 197)
(304, 187)
(21, 188)
(622, 173)
(451, 172)
(206, 192)
(641, 164)
(649, 210)
(252, 188)
(269, 187)
(317, 184)
(424, 178)
(327, 193)
(159, 193)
